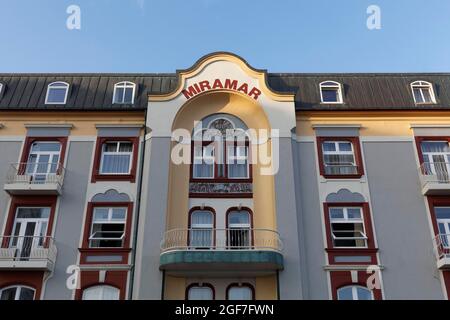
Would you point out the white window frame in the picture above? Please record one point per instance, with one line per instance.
(235, 159)
(423, 85)
(355, 291)
(18, 291)
(431, 154)
(101, 289)
(203, 157)
(57, 85)
(201, 227)
(50, 164)
(331, 85)
(338, 151)
(109, 220)
(202, 288)
(117, 152)
(124, 85)
(346, 219)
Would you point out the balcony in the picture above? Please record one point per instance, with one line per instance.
(34, 179)
(27, 253)
(442, 250)
(435, 178)
(220, 251)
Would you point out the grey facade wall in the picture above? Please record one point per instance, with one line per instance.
(310, 223)
(152, 219)
(10, 153)
(69, 220)
(401, 222)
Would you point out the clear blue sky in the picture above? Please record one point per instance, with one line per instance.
(278, 35)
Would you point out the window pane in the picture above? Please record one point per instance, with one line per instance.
(128, 95)
(101, 293)
(442, 212)
(118, 213)
(329, 146)
(336, 213)
(200, 293)
(427, 95)
(101, 214)
(119, 95)
(56, 95)
(345, 146)
(435, 146)
(201, 218)
(364, 294)
(110, 147)
(417, 95)
(45, 146)
(354, 213)
(9, 294)
(330, 95)
(239, 218)
(345, 293)
(240, 293)
(125, 147)
(26, 294)
(116, 164)
(33, 213)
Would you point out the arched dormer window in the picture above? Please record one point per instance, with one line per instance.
(124, 92)
(220, 149)
(57, 93)
(423, 92)
(331, 92)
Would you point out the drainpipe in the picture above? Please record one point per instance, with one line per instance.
(138, 210)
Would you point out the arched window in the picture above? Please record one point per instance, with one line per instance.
(201, 229)
(101, 292)
(423, 92)
(57, 93)
(17, 293)
(124, 92)
(240, 292)
(354, 293)
(239, 229)
(220, 149)
(330, 92)
(197, 292)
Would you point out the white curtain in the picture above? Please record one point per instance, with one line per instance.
(240, 293)
(201, 229)
(101, 293)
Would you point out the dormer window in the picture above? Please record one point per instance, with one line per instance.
(1, 90)
(124, 92)
(330, 92)
(423, 92)
(57, 93)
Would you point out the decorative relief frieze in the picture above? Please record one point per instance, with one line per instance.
(220, 188)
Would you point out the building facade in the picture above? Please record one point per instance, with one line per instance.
(224, 182)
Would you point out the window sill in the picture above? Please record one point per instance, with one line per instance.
(104, 255)
(342, 176)
(113, 177)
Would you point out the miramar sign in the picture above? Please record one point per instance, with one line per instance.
(218, 84)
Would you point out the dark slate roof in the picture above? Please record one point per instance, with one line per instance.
(362, 91)
(94, 91)
(86, 91)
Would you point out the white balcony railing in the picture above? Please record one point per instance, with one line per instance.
(221, 239)
(34, 178)
(27, 252)
(435, 178)
(436, 172)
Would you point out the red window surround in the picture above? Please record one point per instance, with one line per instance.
(32, 279)
(237, 285)
(186, 294)
(370, 251)
(419, 141)
(30, 201)
(117, 279)
(216, 178)
(123, 252)
(341, 279)
(30, 140)
(96, 176)
(357, 154)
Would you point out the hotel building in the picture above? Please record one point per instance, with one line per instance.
(224, 181)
